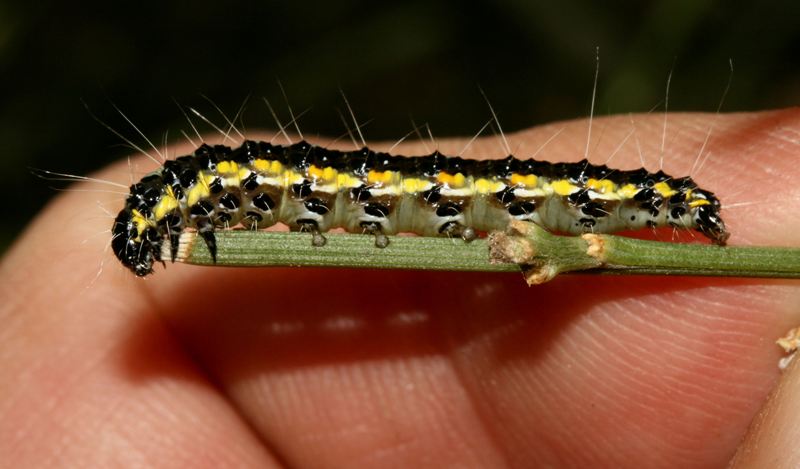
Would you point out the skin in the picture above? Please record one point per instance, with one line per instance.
(216, 367)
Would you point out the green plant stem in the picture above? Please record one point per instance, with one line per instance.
(650, 257)
(258, 248)
(525, 247)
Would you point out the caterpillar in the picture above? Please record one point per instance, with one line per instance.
(314, 189)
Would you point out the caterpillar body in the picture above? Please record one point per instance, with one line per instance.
(310, 188)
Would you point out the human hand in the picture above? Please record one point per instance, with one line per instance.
(215, 367)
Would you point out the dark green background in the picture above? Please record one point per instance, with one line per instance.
(534, 59)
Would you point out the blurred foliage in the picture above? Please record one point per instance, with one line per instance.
(535, 61)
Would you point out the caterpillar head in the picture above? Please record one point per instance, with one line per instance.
(137, 247)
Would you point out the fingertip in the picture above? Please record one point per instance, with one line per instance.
(771, 440)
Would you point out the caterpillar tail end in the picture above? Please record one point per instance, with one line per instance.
(704, 209)
(709, 222)
(720, 237)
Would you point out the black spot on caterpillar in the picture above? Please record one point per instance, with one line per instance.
(315, 189)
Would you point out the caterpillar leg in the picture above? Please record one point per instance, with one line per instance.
(174, 243)
(454, 228)
(173, 225)
(211, 241)
(374, 228)
(311, 226)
